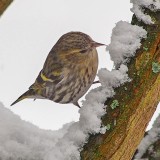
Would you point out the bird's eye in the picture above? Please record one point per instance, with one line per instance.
(83, 51)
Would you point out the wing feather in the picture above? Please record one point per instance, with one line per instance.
(51, 74)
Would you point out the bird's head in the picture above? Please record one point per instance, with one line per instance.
(74, 42)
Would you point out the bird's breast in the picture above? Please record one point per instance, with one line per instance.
(78, 77)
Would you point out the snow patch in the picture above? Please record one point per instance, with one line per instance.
(125, 41)
(22, 140)
(152, 136)
(138, 10)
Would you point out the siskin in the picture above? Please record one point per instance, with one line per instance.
(68, 72)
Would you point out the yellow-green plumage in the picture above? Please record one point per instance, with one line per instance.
(68, 71)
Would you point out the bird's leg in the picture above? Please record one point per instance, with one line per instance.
(76, 104)
(96, 82)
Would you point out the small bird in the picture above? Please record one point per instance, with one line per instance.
(68, 72)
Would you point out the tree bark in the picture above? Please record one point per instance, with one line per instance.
(3, 5)
(137, 99)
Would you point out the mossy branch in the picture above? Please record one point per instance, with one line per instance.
(3, 5)
(137, 101)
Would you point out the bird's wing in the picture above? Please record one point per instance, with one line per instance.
(52, 73)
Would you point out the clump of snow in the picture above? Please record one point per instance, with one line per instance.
(24, 141)
(138, 10)
(152, 136)
(125, 41)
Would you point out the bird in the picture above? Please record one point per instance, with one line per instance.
(68, 71)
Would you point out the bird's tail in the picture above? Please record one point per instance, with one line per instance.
(28, 94)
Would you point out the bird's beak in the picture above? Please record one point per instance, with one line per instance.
(96, 44)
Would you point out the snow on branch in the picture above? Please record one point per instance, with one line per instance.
(24, 141)
(138, 9)
(125, 41)
(152, 136)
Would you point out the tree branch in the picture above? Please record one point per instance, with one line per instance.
(3, 5)
(137, 99)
